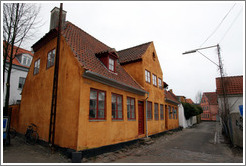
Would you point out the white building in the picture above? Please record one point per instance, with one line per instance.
(234, 98)
(20, 68)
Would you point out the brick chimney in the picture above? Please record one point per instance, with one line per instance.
(54, 17)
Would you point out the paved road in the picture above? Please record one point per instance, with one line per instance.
(193, 145)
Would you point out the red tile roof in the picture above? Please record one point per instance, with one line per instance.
(19, 51)
(233, 85)
(212, 97)
(189, 101)
(169, 96)
(133, 54)
(84, 47)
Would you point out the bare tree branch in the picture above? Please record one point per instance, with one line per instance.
(19, 21)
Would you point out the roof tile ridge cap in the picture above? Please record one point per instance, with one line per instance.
(132, 78)
(147, 43)
(68, 22)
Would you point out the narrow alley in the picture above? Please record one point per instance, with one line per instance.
(191, 145)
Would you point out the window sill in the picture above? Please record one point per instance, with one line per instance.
(97, 120)
(131, 119)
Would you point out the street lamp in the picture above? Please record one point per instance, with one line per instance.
(220, 65)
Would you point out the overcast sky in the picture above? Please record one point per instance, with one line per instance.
(174, 27)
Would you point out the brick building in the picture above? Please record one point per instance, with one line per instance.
(209, 106)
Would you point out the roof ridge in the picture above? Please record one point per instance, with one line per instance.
(135, 46)
(230, 76)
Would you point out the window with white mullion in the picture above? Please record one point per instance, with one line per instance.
(111, 64)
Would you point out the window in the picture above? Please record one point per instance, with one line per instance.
(36, 67)
(111, 64)
(147, 76)
(161, 112)
(160, 83)
(154, 80)
(131, 108)
(173, 113)
(117, 106)
(156, 111)
(97, 104)
(24, 60)
(21, 82)
(149, 111)
(51, 58)
(169, 112)
(153, 56)
(28, 61)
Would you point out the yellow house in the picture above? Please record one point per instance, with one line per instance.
(172, 113)
(102, 93)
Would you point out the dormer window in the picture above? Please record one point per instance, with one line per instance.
(111, 64)
(26, 60)
(108, 59)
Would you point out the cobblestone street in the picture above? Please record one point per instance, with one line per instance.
(192, 145)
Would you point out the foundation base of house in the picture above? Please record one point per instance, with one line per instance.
(76, 157)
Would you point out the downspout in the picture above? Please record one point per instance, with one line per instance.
(146, 107)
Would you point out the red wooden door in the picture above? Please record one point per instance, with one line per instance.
(140, 118)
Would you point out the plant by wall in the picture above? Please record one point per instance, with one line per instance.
(191, 110)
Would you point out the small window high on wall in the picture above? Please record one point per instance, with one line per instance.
(111, 66)
(147, 76)
(36, 67)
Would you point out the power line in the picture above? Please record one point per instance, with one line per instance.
(231, 24)
(218, 25)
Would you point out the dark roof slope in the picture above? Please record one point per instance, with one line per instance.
(189, 101)
(85, 47)
(212, 97)
(233, 85)
(133, 54)
(171, 97)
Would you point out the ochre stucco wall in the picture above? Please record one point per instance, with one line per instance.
(156, 95)
(37, 95)
(172, 123)
(94, 133)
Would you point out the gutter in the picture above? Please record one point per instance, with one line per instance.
(146, 107)
(111, 82)
(172, 102)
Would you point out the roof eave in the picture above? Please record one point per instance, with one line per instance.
(104, 80)
(45, 39)
(172, 102)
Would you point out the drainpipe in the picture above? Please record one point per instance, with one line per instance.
(146, 106)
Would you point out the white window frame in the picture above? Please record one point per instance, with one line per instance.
(154, 79)
(51, 58)
(160, 83)
(111, 64)
(147, 76)
(21, 82)
(36, 67)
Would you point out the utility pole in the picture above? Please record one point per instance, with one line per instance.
(225, 110)
(55, 85)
